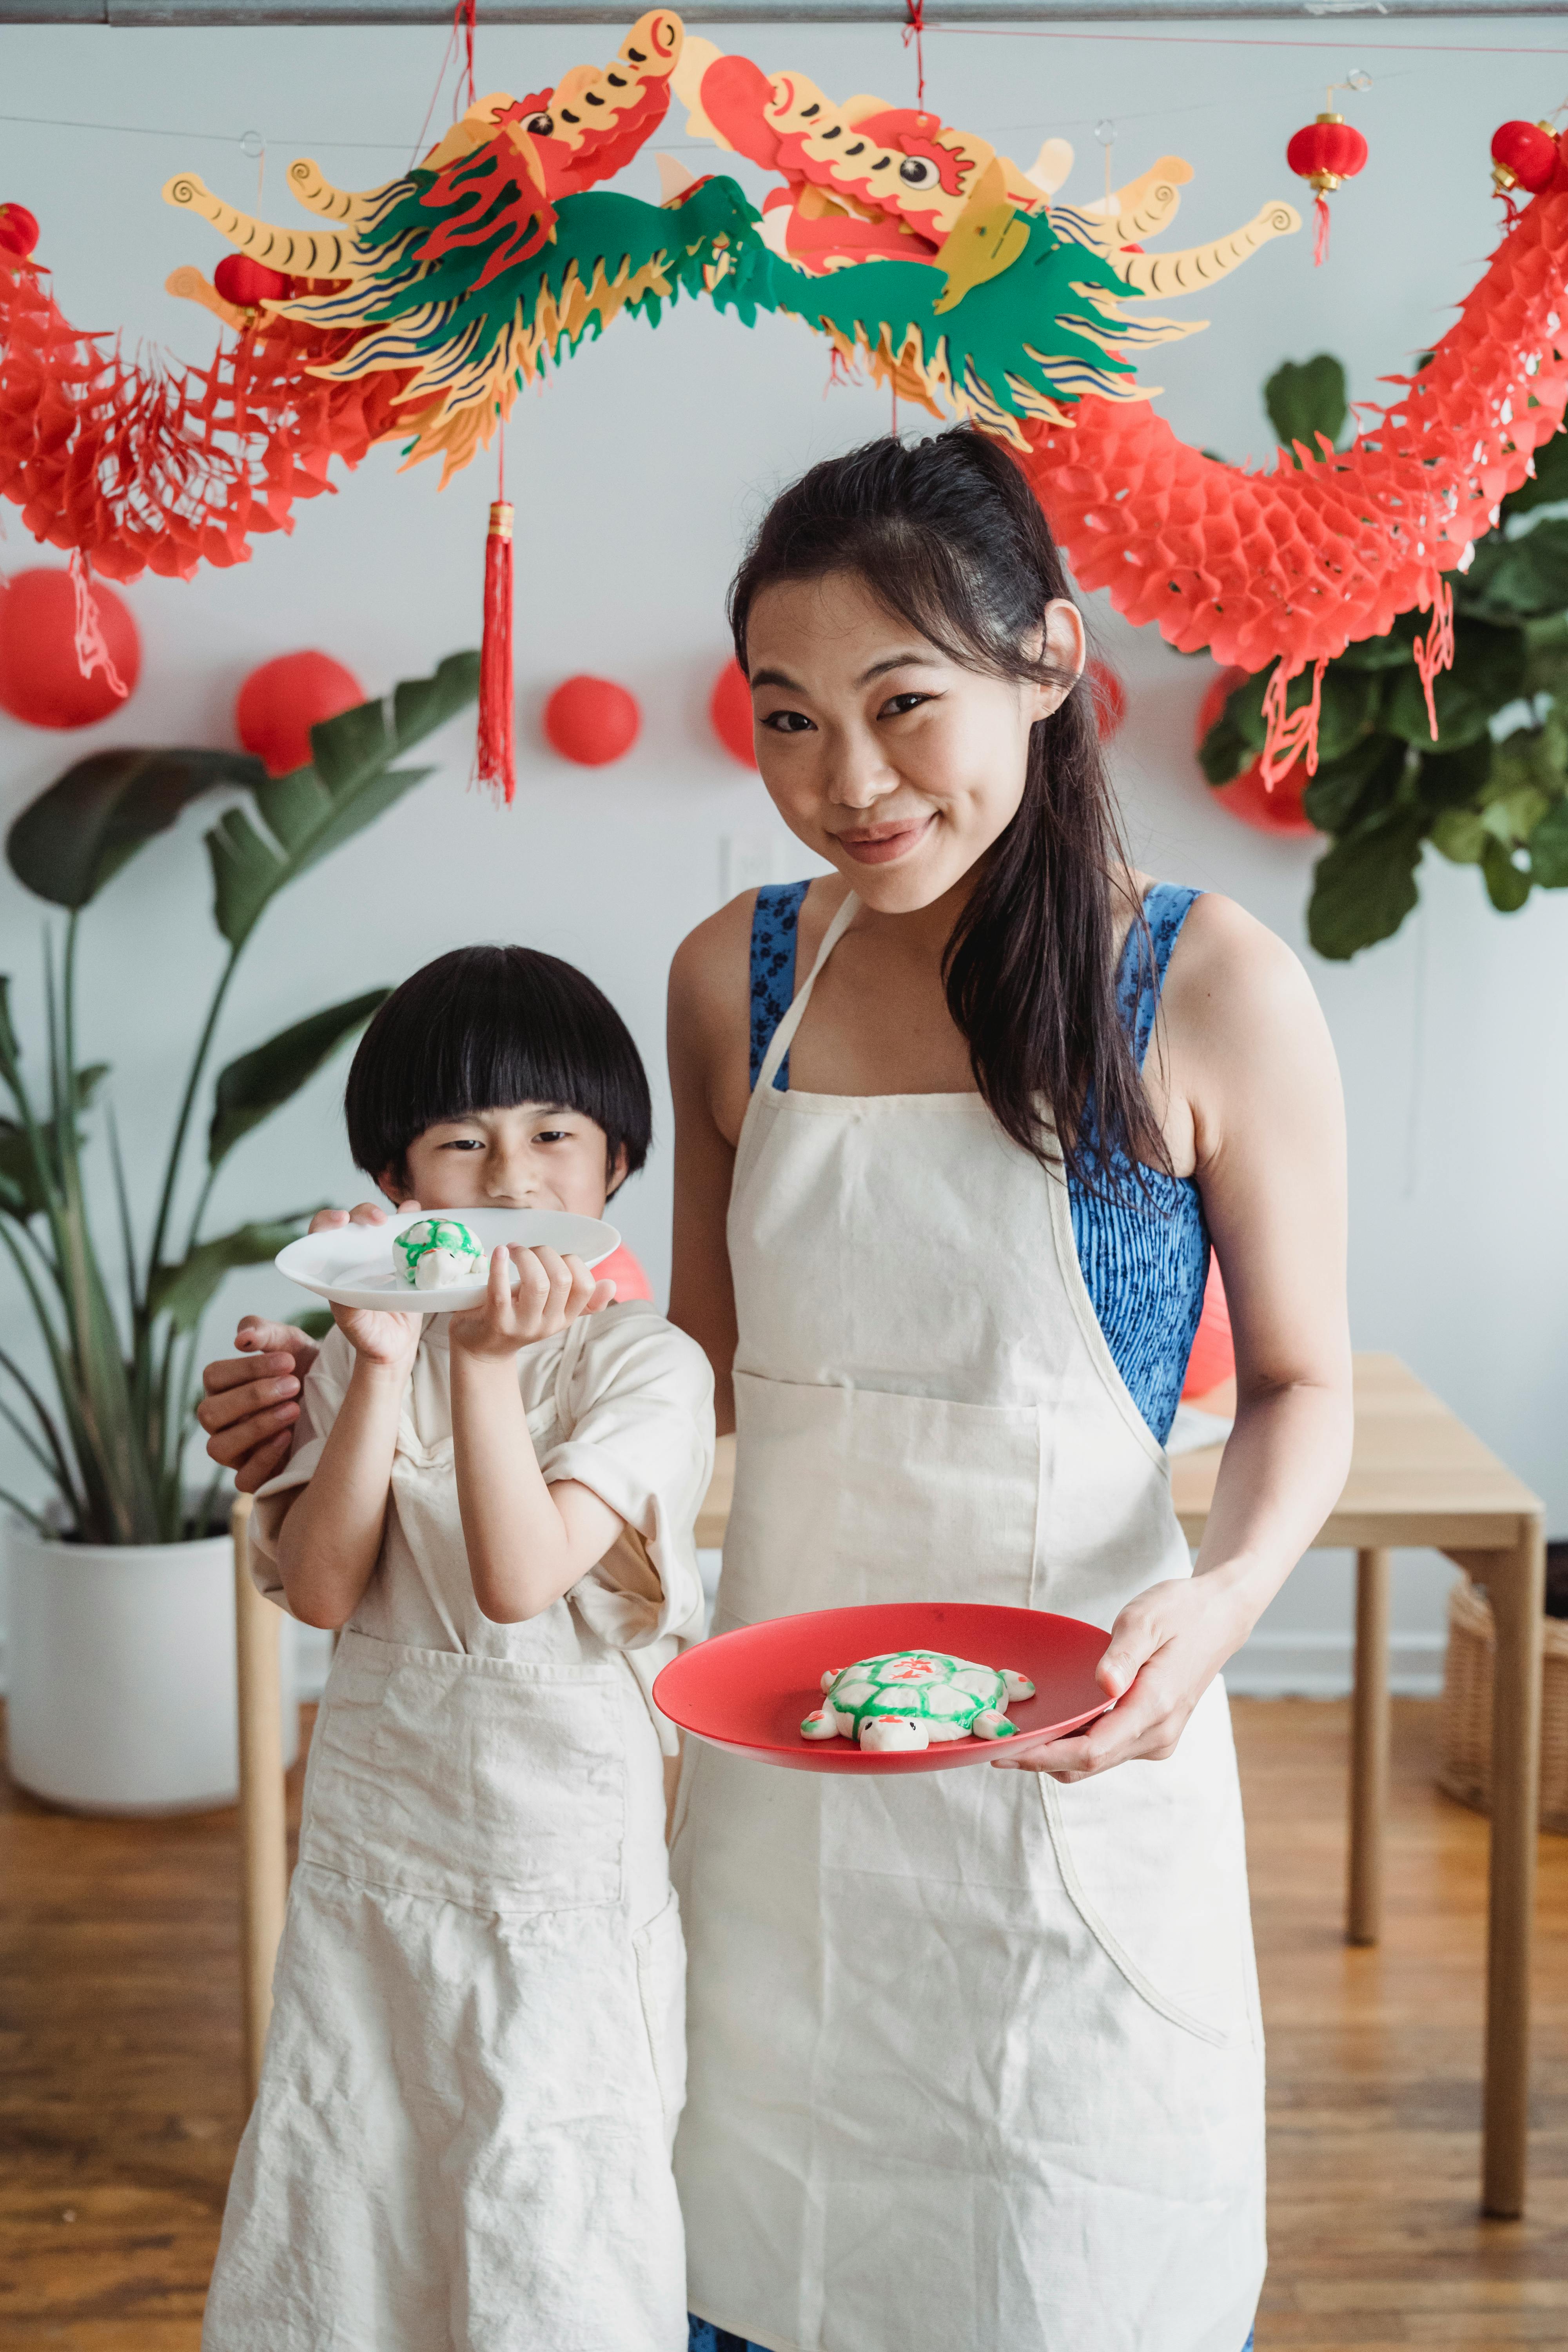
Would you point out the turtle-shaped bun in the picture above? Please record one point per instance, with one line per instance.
(435, 1251)
(911, 1697)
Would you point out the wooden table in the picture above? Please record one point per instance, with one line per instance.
(1417, 1476)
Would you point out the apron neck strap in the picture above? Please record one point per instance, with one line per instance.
(784, 1036)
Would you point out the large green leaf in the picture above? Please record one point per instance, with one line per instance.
(68, 842)
(260, 1081)
(1488, 674)
(22, 1192)
(1508, 884)
(1366, 884)
(1520, 579)
(1455, 780)
(1548, 848)
(351, 780)
(1224, 752)
(1551, 482)
(182, 1291)
(1305, 398)
(1359, 784)
(1393, 650)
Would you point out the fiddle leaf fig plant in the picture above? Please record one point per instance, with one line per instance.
(1492, 791)
(108, 1439)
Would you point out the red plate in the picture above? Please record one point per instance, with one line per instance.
(747, 1691)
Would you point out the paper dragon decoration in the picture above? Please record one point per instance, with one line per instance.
(416, 311)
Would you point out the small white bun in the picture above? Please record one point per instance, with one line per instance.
(1018, 1685)
(990, 1723)
(889, 1734)
(822, 1725)
(829, 1678)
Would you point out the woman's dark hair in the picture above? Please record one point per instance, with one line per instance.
(947, 534)
(484, 1028)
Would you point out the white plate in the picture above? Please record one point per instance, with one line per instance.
(352, 1265)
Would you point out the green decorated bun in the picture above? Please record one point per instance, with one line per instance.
(909, 1698)
(435, 1251)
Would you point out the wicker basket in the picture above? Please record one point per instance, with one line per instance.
(1466, 1769)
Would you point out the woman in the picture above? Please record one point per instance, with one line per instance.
(976, 2061)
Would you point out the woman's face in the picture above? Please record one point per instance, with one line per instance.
(881, 753)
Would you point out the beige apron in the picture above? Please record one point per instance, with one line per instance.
(975, 2059)
(461, 2138)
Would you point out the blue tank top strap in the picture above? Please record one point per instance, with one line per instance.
(774, 926)
(1138, 989)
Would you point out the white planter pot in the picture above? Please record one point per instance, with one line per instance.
(120, 1669)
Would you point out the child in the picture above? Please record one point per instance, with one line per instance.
(476, 2053)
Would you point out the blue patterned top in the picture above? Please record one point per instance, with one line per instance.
(1144, 1246)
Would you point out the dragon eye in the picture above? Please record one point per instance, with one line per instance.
(917, 171)
(542, 123)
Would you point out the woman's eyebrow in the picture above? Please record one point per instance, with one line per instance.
(774, 678)
(896, 661)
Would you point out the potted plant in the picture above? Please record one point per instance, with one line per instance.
(121, 1602)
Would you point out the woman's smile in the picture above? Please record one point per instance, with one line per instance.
(878, 844)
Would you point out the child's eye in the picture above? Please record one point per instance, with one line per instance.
(788, 722)
(553, 1135)
(464, 1143)
(897, 704)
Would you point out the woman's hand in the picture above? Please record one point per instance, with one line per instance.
(551, 1291)
(251, 1401)
(1165, 1649)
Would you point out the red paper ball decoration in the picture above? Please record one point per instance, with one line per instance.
(729, 709)
(1326, 152)
(1110, 697)
(280, 702)
(18, 230)
(40, 678)
(1213, 1359)
(247, 283)
(1246, 797)
(592, 720)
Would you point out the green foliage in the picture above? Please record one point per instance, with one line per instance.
(1491, 791)
(112, 1443)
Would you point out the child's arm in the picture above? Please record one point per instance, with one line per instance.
(330, 1542)
(528, 1543)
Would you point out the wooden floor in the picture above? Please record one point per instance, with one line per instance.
(120, 2074)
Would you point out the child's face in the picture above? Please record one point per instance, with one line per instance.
(533, 1155)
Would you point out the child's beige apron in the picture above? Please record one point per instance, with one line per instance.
(976, 2058)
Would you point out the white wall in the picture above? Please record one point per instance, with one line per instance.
(636, 475)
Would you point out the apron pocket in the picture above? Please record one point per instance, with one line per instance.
(496, 1785)
(1154, 1859)
(660, 1953)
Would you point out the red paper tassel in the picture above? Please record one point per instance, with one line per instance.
(1320, 242)
(496, 766)
(91, 652)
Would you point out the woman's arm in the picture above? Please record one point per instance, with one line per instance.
(709, 1031)
(528, 1543)
(330, 1537)
(1254, 1107)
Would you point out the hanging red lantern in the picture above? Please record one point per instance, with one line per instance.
(18, 231)
(592, 720)
(280, 702)
(1326, 152)
(247, 283)
(1246, 797)
(1524, 156)
(52, 626)
(1110, 697)
(729, 710)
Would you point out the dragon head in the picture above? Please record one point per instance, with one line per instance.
(589, 126)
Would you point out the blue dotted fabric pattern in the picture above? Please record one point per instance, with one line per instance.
(773, 928)
(1143, 1245)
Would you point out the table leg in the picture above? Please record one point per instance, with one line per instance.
(1369, 1748)
(1516, 1583)
(263, 1834)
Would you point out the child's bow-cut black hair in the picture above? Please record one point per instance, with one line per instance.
(483, 1029)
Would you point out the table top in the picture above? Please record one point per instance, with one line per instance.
(1417, 1475)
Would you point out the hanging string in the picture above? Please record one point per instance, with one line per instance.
(915, 31)
(464, 20)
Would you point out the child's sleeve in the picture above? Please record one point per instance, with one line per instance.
(636, 1404)
(321, 1402)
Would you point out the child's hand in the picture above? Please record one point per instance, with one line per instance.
(551, 1291)
(388, 1342)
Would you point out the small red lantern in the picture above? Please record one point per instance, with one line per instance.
(1524, 156)
(1326, 152)
(1246, 797)
(280, 702)
(44, 644)
(729, 709)
(18, 231)
(1110, 697)
(592, 720)
(247, 283)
